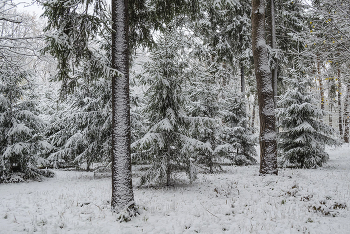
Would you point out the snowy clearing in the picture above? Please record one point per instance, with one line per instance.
(237, 201)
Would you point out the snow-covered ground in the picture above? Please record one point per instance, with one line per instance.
(237, 201)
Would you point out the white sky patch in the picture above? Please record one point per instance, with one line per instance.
(29, 7)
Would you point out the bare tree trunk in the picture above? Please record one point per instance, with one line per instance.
(320, 83)
(253, 118)
(331, 100)
(340, 120)
(168, 166)
(268, 144)
(330, 120)
(122, 192)
(273, 46)
(253, 114)
(242, 78)
(347, 115)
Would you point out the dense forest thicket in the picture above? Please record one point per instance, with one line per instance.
(173, 85)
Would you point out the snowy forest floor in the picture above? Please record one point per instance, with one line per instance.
(236, 201)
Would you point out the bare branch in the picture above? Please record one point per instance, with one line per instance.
(11, 20)
(21, 38)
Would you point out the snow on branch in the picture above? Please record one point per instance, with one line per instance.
(148, 139)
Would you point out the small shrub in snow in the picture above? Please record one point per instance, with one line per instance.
(306, 198)
(227, 190)
(337, 205)
(14, 178)
(31, 173)
(327, 208)
(293, 191)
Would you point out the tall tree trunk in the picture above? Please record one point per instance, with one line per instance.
(331, 99)
(268, 144)
(122, 192)
(253, 113)
(330, 117)
(168, 166)
(273, 46)
(340, 120)
(347, 115)
(253, 118)
(320, 82)
(242, 78)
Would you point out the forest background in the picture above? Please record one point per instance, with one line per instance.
(203, 79)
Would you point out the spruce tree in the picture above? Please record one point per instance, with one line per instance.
(236, 129)
(225, 26)
(303, 134)
(81, 129)
(166, 141)
(218, 113)
(21, 129)
(203, 108)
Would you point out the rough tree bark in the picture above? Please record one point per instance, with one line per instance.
(242, 77)
(330, 116)
(268, 144)
(273, 46)
(347, 115)
(122, 192)
(331, 100)
(340, 120)
(320, 83)
(168, 166)
(253, 117)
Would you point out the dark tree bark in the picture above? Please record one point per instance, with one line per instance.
(347, 115)
(268, 144)
(320, 83)
(122, 192)
(242, 77)
(331, 100)
(340, 120)
(273, 46)
(253, 118)
(330, 116)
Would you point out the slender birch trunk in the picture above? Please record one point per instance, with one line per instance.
(122, 192)
(268, 144)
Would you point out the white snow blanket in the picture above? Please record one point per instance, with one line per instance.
(237, 201)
